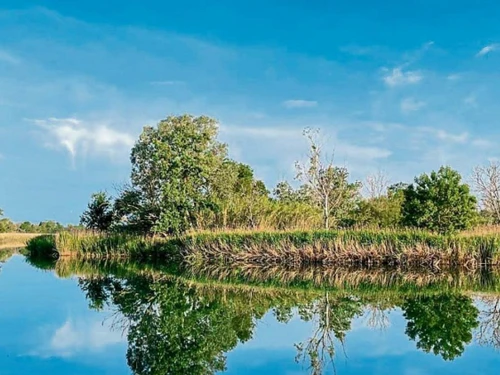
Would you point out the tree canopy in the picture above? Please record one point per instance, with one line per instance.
(439, 202)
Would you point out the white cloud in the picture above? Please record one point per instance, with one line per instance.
(74, 337)
(446, 136)
(480, 142)
(411, 105)
(299, 103)
(8, 57)
(398, 77)
(487, 49)
(76, 136)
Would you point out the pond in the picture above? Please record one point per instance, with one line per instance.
(75, 318)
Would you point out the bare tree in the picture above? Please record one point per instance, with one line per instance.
(376, 184)
(488, 333)
(486, 181)
(327, 184)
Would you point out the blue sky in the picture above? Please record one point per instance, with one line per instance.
(402, 87)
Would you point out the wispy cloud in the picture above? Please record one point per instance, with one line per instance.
(365, 153)
(411, 105)
(399, 77)
(76, 136)
(454, 77)
(300, 103)
(446, 136)
(8, 57)
(488, 49)
(74, 337)
(482, 143)
(470, 100)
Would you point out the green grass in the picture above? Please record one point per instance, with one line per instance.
(296, 248)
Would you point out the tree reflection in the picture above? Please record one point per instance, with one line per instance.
(488, 333)
(171, 329)
(331, 318)
(441, 324)
(175, 325)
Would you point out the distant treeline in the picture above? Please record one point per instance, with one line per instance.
(8, 226)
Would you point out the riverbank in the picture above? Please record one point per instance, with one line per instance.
(291, 248)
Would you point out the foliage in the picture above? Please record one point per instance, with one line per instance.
(99, 213)
(7, 226)
(441, 324)
(42, 246)
(439, 202)
(327, 185)
(382, 211)
(172, 168)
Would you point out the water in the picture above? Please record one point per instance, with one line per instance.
(71, 318)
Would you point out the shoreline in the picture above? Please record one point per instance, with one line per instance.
(291, 248)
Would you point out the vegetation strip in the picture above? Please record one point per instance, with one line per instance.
(344, 247)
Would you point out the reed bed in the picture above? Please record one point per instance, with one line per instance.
(361, 248)
(291, 248)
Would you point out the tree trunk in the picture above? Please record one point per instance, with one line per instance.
(326, 215)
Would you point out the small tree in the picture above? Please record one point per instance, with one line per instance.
(486, 183)
(439, 202)
(326, 184)
(376, 185)
(99, 213)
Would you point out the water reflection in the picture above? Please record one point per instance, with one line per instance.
(185, 321)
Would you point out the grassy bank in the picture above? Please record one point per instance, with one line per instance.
(292, 248)
(15, 240)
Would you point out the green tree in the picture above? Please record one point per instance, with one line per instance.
(7, 226)
(172, 168)
(441, 324)
(239, 199)
(99, 213)
(439, 202)
(50, 227)
(327, 185)
(28, 227)
(382, 211)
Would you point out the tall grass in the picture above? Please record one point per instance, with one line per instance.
(345, 247)
(292, 248)
(15, 240)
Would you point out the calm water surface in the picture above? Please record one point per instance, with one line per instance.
(77, 321)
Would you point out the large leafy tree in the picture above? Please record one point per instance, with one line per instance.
(439, 202)
(172, 167)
